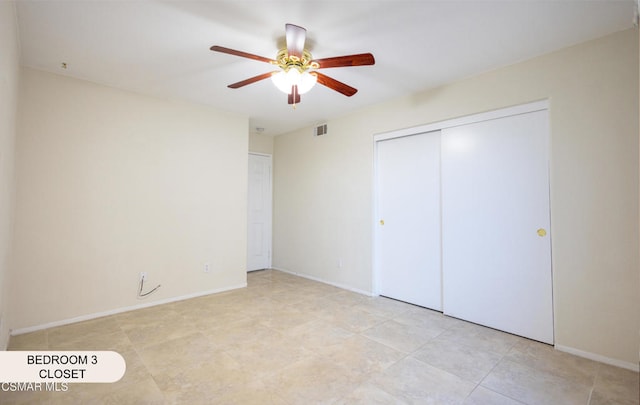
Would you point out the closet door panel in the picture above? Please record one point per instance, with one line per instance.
(495, 224)
(408, 237)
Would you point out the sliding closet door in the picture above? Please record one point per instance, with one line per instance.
(495, 214)
(408, 236)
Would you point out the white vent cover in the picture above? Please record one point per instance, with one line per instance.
(320, 130)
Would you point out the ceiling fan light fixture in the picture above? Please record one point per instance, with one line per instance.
(284, 80)
(298, 70)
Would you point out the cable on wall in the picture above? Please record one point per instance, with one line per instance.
(140, 293)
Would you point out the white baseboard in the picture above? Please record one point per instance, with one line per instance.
(121, 310)
(591, 356)
(342, 286)
(600, 358)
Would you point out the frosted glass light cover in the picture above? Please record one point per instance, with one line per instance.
(307, 81)
(285, 80)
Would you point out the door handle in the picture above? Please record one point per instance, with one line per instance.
(382, 222)
(542, 232)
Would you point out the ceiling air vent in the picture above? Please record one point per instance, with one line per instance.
(320, 130)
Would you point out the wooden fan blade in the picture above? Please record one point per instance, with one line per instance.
(294, 96)
(295, 39)
(251, 80)
(230, 51)
(360, 59)
(335, 85)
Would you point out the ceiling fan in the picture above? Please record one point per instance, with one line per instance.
(298, 70)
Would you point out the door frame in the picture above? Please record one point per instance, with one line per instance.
(436, 126)
(270, 227)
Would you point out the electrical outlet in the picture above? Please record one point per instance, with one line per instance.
(143, 275)
(207, 268)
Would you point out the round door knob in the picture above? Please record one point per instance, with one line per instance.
(382, 222)
(542, 232)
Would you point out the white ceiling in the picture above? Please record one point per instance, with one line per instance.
(161, 48)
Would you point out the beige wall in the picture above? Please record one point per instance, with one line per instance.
(261, 144)
(9, 77)
(112, 183)
(323, 186)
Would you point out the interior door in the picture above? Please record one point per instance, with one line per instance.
(259, 213)
(495, 232)
(408, 236)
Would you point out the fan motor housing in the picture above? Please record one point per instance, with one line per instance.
(286, 61)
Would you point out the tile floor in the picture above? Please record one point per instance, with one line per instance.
(289, 340)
